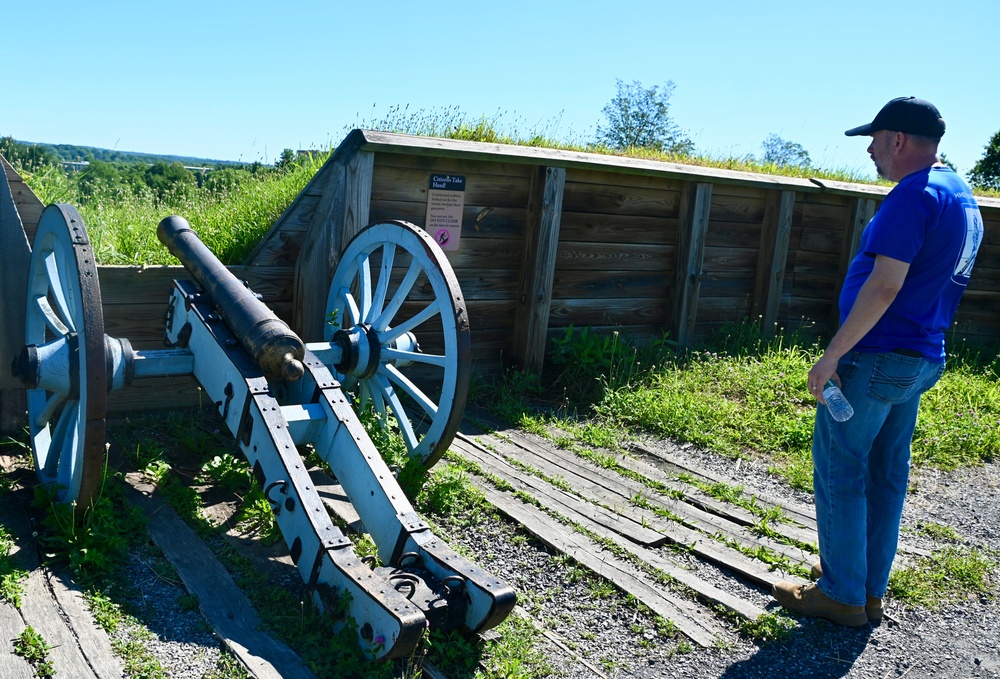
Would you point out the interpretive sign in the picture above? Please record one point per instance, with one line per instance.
(445, 202)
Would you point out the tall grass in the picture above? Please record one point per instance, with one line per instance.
(231, 222)
(747, 398)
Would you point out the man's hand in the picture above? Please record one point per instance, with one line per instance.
(825, 369)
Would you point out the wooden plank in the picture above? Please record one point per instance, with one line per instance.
(343, 211)
(14, 284)
(696, 202)
(531, 321)
(577, 255)
(622, 199)
(738, 515)
(450, 148)
(29, 207)
(153, 284)
(397, 184)
(479, 220)
(803, 515)
(604, 284)
(601, 228)
(608, 311)
(93, 640)
(691, 620)
(559, 500)
(42, 613)
(587, 519)
(613, 490)
(225, 607)
(11, 626)
(772, 255)
(692, 495)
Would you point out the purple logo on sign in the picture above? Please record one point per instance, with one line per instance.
(442, 236)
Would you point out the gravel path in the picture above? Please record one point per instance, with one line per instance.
(959, 640)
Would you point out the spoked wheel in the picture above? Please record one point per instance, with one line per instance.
(396, 310)
(64, 361)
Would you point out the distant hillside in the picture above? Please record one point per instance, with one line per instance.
(74, 153)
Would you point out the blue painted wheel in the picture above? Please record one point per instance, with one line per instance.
(397, 312)
(65, 356)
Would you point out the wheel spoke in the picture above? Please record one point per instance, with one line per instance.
(414, 357)
(58, 293)
(418, 396)
(352, 315)
(405, 427)
(51, 405)
(364, 287)
(51, 318)
(63, 436)
(402, 292)
(428, 312)
(385, 273)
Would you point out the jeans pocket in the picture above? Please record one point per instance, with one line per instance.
(894, 377)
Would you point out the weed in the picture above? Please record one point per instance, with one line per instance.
(96, 543)
(449, 493)
(11, 577)
(32, 647)
(940, 532)
(949, 575)
(228, 472)
(227, 667)
(767, 627)
(256, 516)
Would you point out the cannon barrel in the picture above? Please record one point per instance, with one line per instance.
(272, 344)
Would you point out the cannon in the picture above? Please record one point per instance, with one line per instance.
(396, 342)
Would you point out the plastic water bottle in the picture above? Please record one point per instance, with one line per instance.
(840, 409)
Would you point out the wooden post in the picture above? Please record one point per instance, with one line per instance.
(16, 254)
(696, 203)
(774, 236)
(541, 241)
(342, 212)
(860, 213)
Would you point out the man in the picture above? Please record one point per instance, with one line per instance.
(898, 299)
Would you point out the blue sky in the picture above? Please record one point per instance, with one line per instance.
(244, 80)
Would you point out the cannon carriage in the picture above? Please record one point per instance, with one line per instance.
(396, 341)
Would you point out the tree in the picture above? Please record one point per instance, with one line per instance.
(985, 173)
(169, 179)
(30, 156)
(286, 159)
(638, 117)
(778, 151)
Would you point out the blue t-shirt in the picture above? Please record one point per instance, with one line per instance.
(931, 221)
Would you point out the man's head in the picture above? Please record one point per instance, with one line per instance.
(905, 114)
(905, 136)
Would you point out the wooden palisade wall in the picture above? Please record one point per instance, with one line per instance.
(552, 238)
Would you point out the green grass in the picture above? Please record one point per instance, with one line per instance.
(752, 400)
(950, 575)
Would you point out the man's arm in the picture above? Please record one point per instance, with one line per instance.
(874, 298)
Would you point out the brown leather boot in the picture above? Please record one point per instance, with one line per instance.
(810, 601)
(873, 605)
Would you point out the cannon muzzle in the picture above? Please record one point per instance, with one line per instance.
(272, 344)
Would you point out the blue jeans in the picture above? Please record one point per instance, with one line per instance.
(861, 468)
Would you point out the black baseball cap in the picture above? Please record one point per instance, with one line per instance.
(905, 114)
